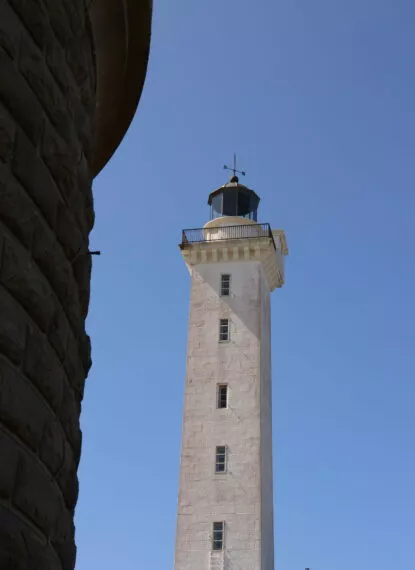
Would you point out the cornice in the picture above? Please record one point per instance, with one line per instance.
(261, 250)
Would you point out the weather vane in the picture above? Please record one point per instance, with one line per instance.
(234, 170)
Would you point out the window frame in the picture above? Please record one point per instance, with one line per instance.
(228, 277)
(221, 459)
(219, 398)
(218, 544)
(223, 323)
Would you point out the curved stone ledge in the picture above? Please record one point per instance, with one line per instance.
(121, 31)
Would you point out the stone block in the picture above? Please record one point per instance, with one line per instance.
(75, 10)
(21, 410)
(87, 98)
(36, 495)
(83, 121)
(62, 161)
(67, 478)
(35, 71)
(52, 445)
(40, 556)
(9, 452)
(68, 233)
(42, 367)
(51, 259)
(17, 210)
(7, 130)
(63, 540)
(85, 186)
(18, 97)
(69, 415)
(59, 21)
(26, 283)
(35, 19)
(80, 58)
(74, 367)
(73, 310)
(12, 328)
(59, 331)
(55, 58)
(9, 30)
(86, 353)
(82, 268)
(13, 554)
(35, 178)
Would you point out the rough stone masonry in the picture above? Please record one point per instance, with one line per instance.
(50, 90)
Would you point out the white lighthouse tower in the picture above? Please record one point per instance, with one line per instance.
(225, 507)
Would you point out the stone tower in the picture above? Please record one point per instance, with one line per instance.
(225, 507)
(71, 75)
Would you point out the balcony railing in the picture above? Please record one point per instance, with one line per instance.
(222, 233)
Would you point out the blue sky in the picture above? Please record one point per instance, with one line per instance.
(317, 98)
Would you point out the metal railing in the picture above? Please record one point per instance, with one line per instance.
(222, 233)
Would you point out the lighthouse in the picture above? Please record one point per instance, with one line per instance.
(225, 505)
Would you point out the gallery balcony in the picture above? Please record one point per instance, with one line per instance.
(226, 233)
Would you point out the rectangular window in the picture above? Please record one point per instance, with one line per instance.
(218, 535)
(225, 285)
(224, 330)
(222, 396)
(220, 465)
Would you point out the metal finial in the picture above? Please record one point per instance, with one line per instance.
(234, 170)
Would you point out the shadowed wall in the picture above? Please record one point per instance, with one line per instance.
(48, 92)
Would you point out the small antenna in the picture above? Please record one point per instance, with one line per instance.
(234, 170)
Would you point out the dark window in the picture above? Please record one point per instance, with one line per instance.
(244, 205)
(229, 203)
(222, 396)
(220, 464)
(218, 535)
(224, 330)
(225, 285)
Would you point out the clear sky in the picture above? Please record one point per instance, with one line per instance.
(317, 97)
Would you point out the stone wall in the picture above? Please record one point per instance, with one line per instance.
(236, 498)
(47, 100)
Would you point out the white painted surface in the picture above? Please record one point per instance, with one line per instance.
(242, 497)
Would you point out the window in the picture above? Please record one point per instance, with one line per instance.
(218, 535)
(224, 330)
(225, 285)
(222, 401)
(220, 464)
(230, 198)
